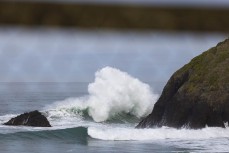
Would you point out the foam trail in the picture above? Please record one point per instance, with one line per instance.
(112, 93)
(156, 134)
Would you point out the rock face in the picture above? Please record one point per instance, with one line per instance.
(197, 95)
(34, 118)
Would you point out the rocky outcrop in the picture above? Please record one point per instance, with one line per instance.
(197, 95)
(34, 118)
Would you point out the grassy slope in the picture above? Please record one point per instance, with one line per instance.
(209, 74)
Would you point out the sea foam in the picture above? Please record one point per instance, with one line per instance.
(114, 133)
(209, 139)
(113, 92)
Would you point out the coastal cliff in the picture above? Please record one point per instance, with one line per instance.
(197, 95)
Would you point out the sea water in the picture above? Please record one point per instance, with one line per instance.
(98, 121)
(100, 114)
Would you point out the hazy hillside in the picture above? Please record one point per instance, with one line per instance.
(113, 16)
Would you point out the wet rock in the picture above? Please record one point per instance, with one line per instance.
(197, 95)
(34, 118)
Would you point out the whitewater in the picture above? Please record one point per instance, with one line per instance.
(111, 94)
(114, 105)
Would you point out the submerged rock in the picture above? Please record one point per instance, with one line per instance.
(34, 118)
(197, 95)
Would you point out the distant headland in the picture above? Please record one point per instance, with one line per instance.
(113, 16)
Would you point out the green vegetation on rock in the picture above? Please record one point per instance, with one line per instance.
(209, 73)
(197, 95)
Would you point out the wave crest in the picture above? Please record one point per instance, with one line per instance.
(112, 93)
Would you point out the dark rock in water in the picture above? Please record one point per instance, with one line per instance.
(34, 118)
(197, 95)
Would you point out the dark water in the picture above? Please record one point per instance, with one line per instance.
(16, 98)
(72, 140)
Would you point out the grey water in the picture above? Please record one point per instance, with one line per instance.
(17, 98)
(41, 66)
(30, 96)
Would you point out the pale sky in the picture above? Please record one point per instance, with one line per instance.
(44, 55)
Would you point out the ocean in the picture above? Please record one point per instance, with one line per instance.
(74, 128)
(92, 97)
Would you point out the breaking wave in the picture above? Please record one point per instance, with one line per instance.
(112, 94)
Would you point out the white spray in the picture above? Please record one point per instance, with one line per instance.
(113, 92)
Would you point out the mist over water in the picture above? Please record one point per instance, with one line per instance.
(69, 55)
(108, 81)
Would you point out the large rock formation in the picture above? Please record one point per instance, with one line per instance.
(197, 95)
(34, 118)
